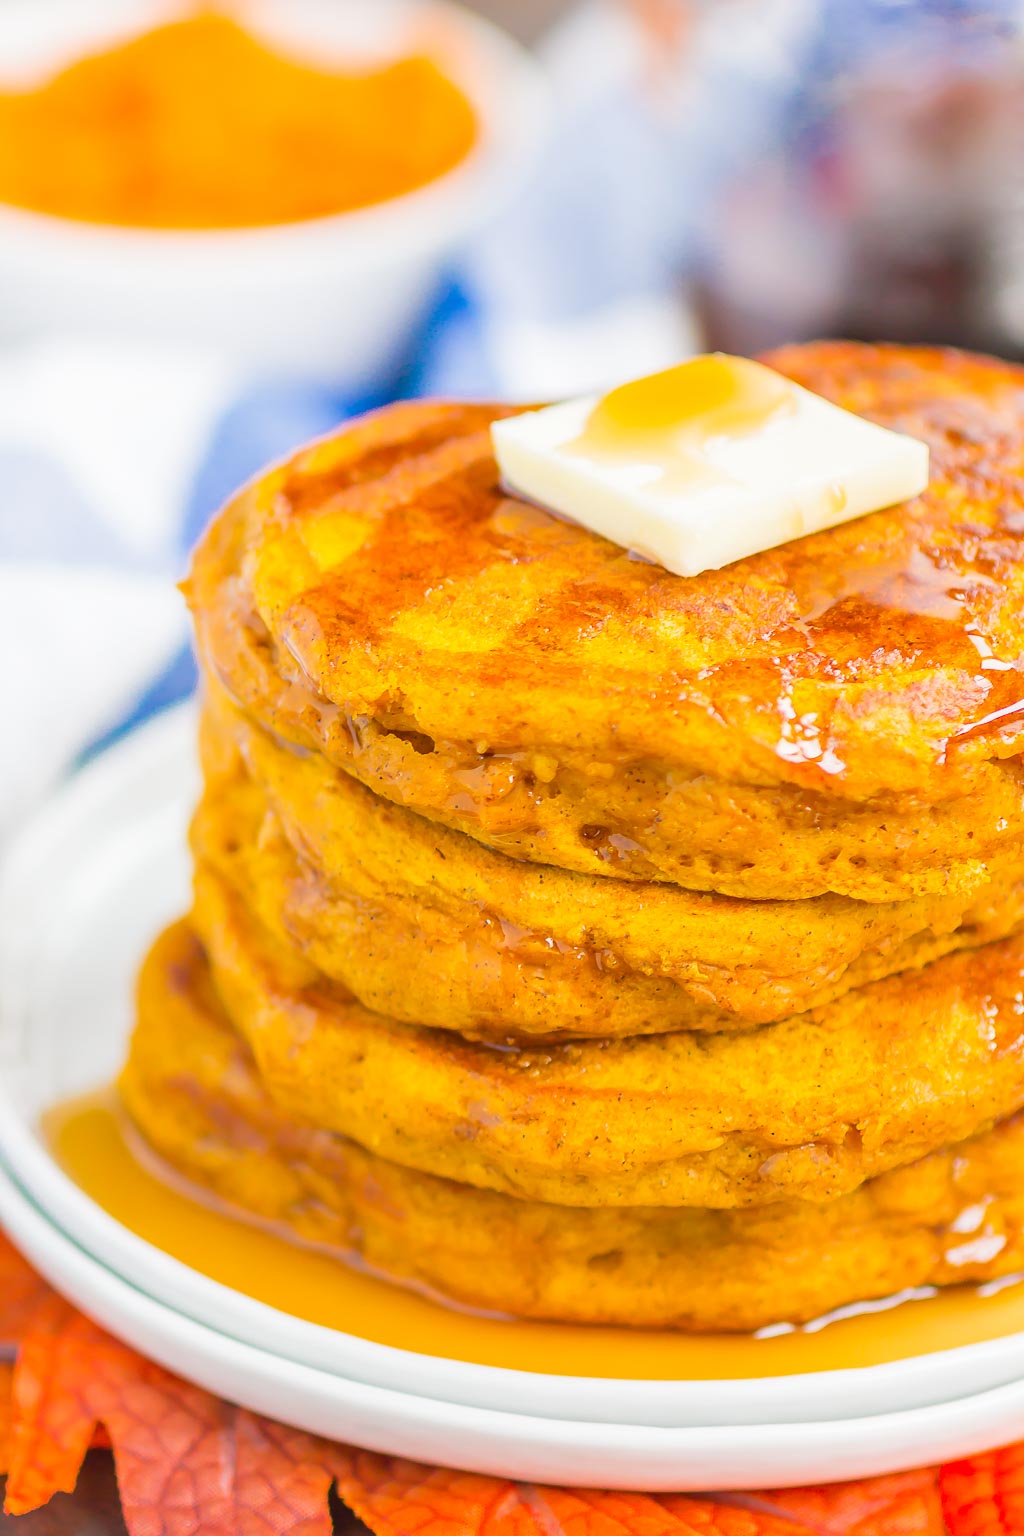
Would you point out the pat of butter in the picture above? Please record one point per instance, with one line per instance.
(705, 463)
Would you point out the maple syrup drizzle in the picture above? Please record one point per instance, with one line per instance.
(929, 602)
(665, 422)
(916, 604)
(89, 1141)
(1009, 715)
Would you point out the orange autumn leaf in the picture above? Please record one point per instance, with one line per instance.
(50, 1433)
(899, 1504)
(100, 1438)
(404, 1498)
(6, 1374)
(984, 1495)
(20, 1291)
(182, 1455)
(735, 1516)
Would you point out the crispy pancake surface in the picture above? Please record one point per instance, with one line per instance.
(428, 926)
(841, 714)
(190, 1086)
(806, 1108)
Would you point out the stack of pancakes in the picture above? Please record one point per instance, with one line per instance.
(579, 941)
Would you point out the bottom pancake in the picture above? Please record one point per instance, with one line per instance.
(192, 1090)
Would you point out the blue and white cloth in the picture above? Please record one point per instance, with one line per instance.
(112, 459)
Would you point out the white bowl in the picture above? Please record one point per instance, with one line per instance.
(335, 294)
(80, 896)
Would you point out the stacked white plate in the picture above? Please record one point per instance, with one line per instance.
(81, 895)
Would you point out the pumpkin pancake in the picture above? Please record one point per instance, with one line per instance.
(807, 1108)
(191, 1089)
(428, 926)
(844, 713)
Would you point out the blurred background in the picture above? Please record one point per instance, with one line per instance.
(225, 229)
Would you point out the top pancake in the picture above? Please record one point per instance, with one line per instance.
(777, 728)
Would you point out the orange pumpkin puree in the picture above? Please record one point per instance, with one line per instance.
(198, 125)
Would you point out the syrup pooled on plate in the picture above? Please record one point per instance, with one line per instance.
(93, 1144)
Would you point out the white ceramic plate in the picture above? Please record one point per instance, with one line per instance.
(82, 893)
(525, 1447)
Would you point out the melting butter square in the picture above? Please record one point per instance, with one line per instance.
(706, 463)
